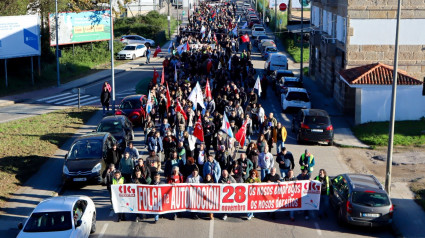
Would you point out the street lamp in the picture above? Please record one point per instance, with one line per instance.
(112, 56)
(57, 44)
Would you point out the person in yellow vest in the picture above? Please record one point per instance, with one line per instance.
(279, 135)
(324, 193)
(307, 161)
(118, 179)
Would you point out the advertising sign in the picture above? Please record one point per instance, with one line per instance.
(273, 3)
(19, 36)
(216, 198)
(74, 28)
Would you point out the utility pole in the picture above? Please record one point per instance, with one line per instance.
(302, 40)
(275, 15)
(393, 101)
(111, 41)
(264, 11)
(57, 44)
(169, 19)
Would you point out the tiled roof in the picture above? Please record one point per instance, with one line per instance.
(378, 74)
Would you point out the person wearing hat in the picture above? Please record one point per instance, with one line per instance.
(307, 162)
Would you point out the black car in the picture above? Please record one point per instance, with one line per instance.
(120, 127)
(277, 75)
(313, 125)
(360, 199)
(85, 161)
(284, 83)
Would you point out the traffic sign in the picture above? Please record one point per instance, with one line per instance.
(282, 7)
(183, 13)
(305, 3)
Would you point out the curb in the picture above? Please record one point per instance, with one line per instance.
(350, 146)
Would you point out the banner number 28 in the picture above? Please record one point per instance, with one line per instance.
(234, 194)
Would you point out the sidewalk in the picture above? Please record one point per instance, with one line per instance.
(99, 76)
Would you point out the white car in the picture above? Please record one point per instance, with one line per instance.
(135, 39)
(295, 98)
(132, 51)
(269, 50)
(258, 30)
(275, 62)
(63, 216)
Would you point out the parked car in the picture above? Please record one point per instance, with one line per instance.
(133, 107)
(269, 50)
(275, 62)
(120, 127)
(132, 51)
(85, 161)
(264, 43)
(135, 39)
(284, 83)
(278, 74)
(360, 199)
(252, 21)
(313, 125)
(258, 30)
(259, 38)
(295, 98)
(63, 216)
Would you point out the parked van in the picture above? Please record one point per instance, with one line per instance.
(275, 62)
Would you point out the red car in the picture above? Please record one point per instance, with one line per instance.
(133, 107)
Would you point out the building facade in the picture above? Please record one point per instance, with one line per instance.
(352, 33)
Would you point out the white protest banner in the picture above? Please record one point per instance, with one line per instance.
(217, 198)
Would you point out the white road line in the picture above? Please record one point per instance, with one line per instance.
(62, 98)
(83, 101)
(91, 101)
(56, 96)
(102, 232)
(111, 213)
(319, 232)
(72, 99)
(211, 233)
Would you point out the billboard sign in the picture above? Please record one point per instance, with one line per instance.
(74, 28)
(19, 36)
(217, 198)
(273, 3)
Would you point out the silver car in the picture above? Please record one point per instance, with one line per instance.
(135, 39)
(360, 199)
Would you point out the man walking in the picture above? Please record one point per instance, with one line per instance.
(307, 162)
(285, 159)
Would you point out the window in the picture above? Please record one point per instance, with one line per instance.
(78, 210)
(49, 221)
(371, 199)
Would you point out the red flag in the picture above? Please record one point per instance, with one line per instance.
(155, 76)
(215, 39)
(241, 134)
(199, 132)
(187, 46)
(245, 38)
(168, 98)
(158, 50)
(162, 76)
(213, 15)
(180, 109)
(208, 90)
(209, 65)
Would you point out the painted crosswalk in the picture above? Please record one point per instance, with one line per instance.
(71, 99)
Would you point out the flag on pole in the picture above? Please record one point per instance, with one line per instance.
(187, 46)
(230, 63)
(181, 48)
(241, 134)
(215, 39)
(155, 76)
(245, 38)
(179, 108)
(245, 25)
(239, 19)
(213, 15)
(225, 126)
(235, 31)
(203, 29)
(157, 51)
(196, 96)
(209, 35)
(199, 131)
(170, 46)
(258, 85)
(162, 76)
(175, 74)
(208, 90)
(168, 98)
(149, 103)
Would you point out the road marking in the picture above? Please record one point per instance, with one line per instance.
(211, 233)
(91, 102)
(319, 232)
(285, 117)
(85, 101)
(63, 97)
(102, 232)
(56, 96)
(111, 213)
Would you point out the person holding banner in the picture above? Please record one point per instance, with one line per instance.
(226, 179)
(209, 179)
(253, 178)
(324, 192)
(175, 177)
(304, 176)
(290, 177)
(194, 178)
(118, 179)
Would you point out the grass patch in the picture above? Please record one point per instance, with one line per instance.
(406, 133)
(28, 143)
(419, 189)
(142, 86)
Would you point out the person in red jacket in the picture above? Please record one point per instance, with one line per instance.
(175, 177)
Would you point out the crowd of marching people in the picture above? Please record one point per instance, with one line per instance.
(204, 122)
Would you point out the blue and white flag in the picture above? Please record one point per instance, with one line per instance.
(170, 46)
(244, 25)
(203, 29)
(235, 31)
(149, 103)
(175, 74)
(225, 126)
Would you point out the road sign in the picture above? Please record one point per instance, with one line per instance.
(183, 13)
(305, 3)
(282, 7)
